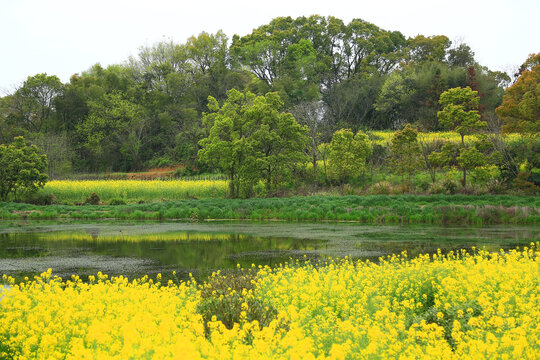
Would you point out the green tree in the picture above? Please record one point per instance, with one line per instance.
(461, 55)
(460, 111)
(323, 151)
(520, 109)
(22, 169)
(393, 103)
(465, 159)
(311, 114)
(34, 101)
(347, 154)
(428, 49)
(406, 151)
(469, 160)
(114, 127)
(251, 140)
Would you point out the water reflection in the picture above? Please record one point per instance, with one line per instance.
(136, 249)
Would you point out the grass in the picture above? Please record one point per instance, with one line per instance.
(374, 209)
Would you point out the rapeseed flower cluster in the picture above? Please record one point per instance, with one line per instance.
(135, 190)
(458, 306)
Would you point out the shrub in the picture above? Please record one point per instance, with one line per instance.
(116, 201)
(535, 177)
(381, 188)
(40, 198)
(450, 186)
(521, 182)
(231, 299)
(92, 200)
(423, 183)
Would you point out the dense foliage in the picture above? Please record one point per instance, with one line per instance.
(22, 169)
(148, 111)
(251, 141)
(520, 109)
(461, 306)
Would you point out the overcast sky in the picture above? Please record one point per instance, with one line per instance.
(64, 37)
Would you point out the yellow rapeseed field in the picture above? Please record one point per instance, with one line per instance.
(136, 190)
(385, 137)
(481, 306)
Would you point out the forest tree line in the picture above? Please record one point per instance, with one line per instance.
(149, 110)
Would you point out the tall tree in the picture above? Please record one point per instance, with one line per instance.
(520, 109)
(311, 114)
(34, 101)
(114, 126)
(428, 49)
(461, 55)
(251, 140)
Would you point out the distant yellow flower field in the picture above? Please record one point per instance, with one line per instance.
(135, 190)
(447, 307)
(385, 137)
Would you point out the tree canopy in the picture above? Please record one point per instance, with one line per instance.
(460, 111)
(22, 169)
(520, 109)
(358, 75)
(251, 140)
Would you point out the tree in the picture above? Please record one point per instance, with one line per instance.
(406, 151)
(460, 111)
(251, 140)
(347, 154)
(469, 160)
(22, 169)
(114, 126)
(393, 101)
(520, 109)
(323, 150)
(428, 49)
(351, 103)
(461, 55)
(34, 100)
(311, 114)
(466, 159)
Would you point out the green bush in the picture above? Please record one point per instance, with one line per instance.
(40, 198)
(231, 299)
(116, 201)
(450, 186)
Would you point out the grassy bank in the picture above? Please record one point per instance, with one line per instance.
(376, 209)
(456, 307)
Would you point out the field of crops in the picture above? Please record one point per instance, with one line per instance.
(460, 306)
(69, 191)
(384, 137)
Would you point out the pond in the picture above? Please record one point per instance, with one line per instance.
(134, 249)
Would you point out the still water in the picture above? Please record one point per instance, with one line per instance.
(134, 249)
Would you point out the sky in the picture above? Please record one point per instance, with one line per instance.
(64, 37)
